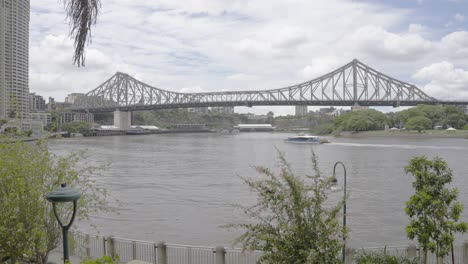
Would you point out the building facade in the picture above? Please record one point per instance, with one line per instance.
(68, 117)
(301, 110)
(36, 103)
(14, 59)
(73, 97)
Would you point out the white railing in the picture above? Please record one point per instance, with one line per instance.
(96, 246)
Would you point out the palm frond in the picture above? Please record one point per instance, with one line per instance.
(82, 15)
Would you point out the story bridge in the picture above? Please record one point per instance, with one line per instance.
(352, 84)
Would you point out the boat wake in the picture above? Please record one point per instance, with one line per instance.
(396, 146)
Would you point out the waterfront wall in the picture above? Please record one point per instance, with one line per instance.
(95, 246)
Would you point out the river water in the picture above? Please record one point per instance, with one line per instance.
(180, 188)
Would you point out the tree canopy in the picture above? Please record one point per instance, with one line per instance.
(433, 209)
(361, 120)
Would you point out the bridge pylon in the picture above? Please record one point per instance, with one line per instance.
(123, 119)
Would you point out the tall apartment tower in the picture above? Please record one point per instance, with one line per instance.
(301, 110)
(14, 59)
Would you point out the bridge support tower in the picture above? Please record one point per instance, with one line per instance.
(122, 119)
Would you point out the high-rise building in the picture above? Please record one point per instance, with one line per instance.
(301, 110)
(36, 103)
(14, 59)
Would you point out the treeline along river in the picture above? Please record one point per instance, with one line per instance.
(180, 188)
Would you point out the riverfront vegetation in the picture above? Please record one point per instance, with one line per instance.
(28, 228)
(293, 223)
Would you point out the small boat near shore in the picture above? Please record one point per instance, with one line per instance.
(306, 139)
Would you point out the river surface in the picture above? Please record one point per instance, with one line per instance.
(180, 188)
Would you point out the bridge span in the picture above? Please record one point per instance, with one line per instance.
(352, 84)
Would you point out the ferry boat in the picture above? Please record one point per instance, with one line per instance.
(302, 138)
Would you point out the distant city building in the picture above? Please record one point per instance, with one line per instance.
(14, 59)
(68, 117)
(71, 98)
(301, 110)
(42, 117)
(466, 110)
(357, 107)
(327, 110)
(52, 105)
(254, 127)
(223, 109)
(36, 103)
(337, 112)
(251, 116)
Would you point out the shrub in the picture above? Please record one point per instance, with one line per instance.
(293, 221)
(382, 258)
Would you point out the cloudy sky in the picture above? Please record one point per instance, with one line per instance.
(221, 45)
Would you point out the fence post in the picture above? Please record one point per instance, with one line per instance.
(88, 249)
(134, 250)
(220, 255)
(349, 253)
(104, 245)
(411, 251)
(155, 253)
(162, 254)
(111, 247)
(465, 252)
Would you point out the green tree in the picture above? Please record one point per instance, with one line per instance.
(28, 228)
(418, 123)
(362, 120)
(77, 127)
(294, 222)
(433, 209)
(455, 120)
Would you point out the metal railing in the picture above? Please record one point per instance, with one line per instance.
(95, 246)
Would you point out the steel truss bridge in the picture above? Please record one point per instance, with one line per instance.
(352, 84)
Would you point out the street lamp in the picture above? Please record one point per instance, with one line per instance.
(334, 183)
(62, 195)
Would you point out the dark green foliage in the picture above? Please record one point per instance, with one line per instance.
(165, 118)
(28, 228)
(418, 123)
(446, 116)
(433, 210)
(465, 127)
(292, 224)
(77, 127)
(382, 258)
(324, 129)
(103, 260)
(362, 120)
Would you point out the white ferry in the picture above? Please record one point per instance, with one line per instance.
(302, 138)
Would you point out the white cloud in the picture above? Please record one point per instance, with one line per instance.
(242, 77)
(322, 66)
(459, 17)
(384, 44)
(233, 44)
(445, 81)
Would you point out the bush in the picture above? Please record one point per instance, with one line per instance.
(382, 258)
(292, 221)
(324, 129)
(28, 228)
(103, 260)
(465, 127)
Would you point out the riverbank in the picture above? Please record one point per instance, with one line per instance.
(425, 134)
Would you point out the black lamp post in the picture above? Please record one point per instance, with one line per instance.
(334, 182)
(62, 195)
